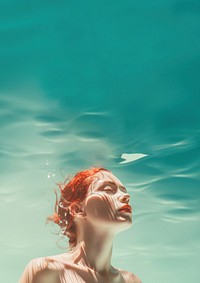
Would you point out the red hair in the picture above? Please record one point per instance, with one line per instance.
(72, 192)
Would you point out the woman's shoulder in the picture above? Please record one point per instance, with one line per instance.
(129, 277)
(41, 269)
(50, 262)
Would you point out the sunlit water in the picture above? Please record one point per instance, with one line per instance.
(84, 84)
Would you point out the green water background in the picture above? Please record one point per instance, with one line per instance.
(81, 83)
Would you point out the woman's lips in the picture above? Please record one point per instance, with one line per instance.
(126, 208)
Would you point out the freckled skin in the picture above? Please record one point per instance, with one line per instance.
(98, 220)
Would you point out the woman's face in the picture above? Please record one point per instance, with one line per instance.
(107, 203)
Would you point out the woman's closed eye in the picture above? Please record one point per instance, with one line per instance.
(108, 189)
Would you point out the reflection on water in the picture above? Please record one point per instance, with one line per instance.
(83, 85)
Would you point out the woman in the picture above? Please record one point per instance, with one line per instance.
(92, 209)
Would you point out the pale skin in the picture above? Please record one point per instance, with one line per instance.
(98, 219)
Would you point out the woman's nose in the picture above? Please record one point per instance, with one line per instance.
(125, 198)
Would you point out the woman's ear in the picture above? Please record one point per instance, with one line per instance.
(77, 211)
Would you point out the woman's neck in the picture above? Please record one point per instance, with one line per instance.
(94, 249)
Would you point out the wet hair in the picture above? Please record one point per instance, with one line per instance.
(74, 191)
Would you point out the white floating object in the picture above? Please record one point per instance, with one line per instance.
(130, 157)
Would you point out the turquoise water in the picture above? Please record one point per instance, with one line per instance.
(81, 84)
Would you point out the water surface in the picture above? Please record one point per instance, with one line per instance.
(81, 84)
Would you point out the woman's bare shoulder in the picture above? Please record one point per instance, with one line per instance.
(44, 269)
(46, 276)
(129, 277)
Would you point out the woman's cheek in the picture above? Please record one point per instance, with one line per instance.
(99, 206)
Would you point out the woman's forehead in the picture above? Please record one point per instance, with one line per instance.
(103, 176)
